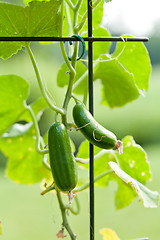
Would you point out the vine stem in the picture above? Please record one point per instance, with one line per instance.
(85, 186)
(84, 75)
(77, 211)
(70, 4)
(85, 16)
(67, 207)
(69, 22)
(62, 44)
(96, 157)
(38, 136)
(64, 217)
(75, 16)
(41, 85)
(71, 65)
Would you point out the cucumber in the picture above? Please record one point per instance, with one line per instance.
(92, 130)
(62, 161)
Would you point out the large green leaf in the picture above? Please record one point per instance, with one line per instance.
(39, 19)
(13, 93)
(98, 15)
(108, 234)
(135, 59)
(25, 164)
(150, 199)
(63, 78)
(100, 165)
(124, 194)
(100, 47)
(119, 86)
(133, 161)
(122, 80)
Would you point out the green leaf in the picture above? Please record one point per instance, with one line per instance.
(134, 160)
(39, 19)
(25, 165)
(150, 199)
(13, 93)
(135, 163)
(100, 164)
(119, 86)
(38, 108)
(98, 15)
(108, 234)
(134, 57)
(124, 194)
(100, 47)
(81, 70)
(63, 78)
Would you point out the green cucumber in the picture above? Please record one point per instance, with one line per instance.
(62, 161)
(92, 130)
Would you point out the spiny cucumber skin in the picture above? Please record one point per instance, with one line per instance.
(92, 130)
(62, 160)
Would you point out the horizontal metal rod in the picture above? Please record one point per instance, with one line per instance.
(88, 39)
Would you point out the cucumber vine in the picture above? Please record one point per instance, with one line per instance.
(117, 72)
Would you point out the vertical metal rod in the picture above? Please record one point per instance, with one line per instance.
(90, 78)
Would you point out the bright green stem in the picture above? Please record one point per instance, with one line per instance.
(48, 190)
(72, 70)
(45, 161)
(84, 75)
(96, 157)
(75, 15)
(77, 211)
(71, 65)
(41, 85)
(38, 137)
(70, 4)
(64, 217)
(85, 186)
(70, 31)
(85, 16)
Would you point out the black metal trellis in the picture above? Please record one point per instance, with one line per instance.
(73, 39)
(90, 39)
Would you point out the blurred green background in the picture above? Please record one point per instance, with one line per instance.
(26, 215)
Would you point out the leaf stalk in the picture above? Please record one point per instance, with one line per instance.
(41, 85)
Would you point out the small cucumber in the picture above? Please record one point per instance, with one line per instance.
(62, 160)
(92, 130)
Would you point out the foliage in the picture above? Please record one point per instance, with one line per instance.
(124, 76)
(108, 234)
(35, 20)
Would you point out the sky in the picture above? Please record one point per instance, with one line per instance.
(135, 17)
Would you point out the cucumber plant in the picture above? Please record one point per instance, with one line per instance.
(122, 81)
